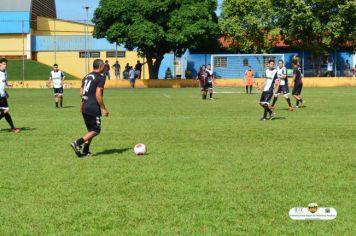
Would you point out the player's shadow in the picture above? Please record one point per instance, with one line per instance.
(112, 151)
(65, 107)
(278, 118)
(22, 129)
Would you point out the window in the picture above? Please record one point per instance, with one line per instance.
(89, 54)
(220, 62)
(113, 54)
(245, 62)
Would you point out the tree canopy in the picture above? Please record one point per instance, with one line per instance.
(313, 25)
(156, 27)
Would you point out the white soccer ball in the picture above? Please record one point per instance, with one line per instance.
(140, 149)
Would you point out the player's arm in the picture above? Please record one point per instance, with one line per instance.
(99, 98)
(262, 85)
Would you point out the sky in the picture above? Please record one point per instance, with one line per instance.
(74, 9)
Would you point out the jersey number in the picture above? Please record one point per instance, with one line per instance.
(86, 86)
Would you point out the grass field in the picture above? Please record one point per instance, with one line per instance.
(213, 168)
(33, 71)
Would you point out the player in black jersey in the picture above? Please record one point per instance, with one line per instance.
(202, 76)
(92, 106)
(298, 85)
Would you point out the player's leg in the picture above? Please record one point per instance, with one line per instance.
(5, 112)
(93, 125)
(264, 102)
(211, 91)
(250, 89)
(246, 89)
(275, 98)
(286, 96)
(60, 97)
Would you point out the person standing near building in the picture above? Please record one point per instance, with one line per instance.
(106, 72)
(4, 107)
(138, 69)
(330, 68)
(249, 79)
(116, 68)
(57, 77)
(132, 77)
(92, 107)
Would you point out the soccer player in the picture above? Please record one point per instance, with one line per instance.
(283, 86)
(249, 79)
(203, 81)
(57, 77)
(297, 85)
(210, 82)
(4, 107)
(92, 107)
(268, 87)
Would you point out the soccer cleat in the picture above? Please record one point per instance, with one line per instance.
(302, 106)
(15, 130)
(271, 116)
(263, 119)
(85, 154)
(290, 109)
(76, 149)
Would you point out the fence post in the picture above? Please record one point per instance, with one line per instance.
(23, 50)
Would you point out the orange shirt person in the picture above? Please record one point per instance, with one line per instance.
(249, 79)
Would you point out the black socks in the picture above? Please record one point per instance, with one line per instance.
(80, 141)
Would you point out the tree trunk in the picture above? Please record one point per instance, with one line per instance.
(153, 66)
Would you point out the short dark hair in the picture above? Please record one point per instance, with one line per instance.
(2, 60)
(97, 63)
(55, 65)
(270, 60)
(280, 60)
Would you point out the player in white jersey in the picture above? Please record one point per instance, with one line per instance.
(4, 107)
(283, 86)
(268, 87)
(57, 77)
(210, 81)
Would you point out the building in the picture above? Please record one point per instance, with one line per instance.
(30, 29)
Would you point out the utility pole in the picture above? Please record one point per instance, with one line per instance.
(86, 40)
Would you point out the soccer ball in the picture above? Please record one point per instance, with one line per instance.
(140, 149)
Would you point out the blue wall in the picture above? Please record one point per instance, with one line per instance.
(71, 43)
(11, 22)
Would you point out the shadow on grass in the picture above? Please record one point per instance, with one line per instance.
(22, 129)
(112, 151)
(64, 107)
(278, 118)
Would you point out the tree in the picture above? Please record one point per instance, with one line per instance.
(156, 27)
(317, 25)
(250, 25)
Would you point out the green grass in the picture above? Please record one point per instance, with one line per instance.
(213, 168)
(33, 71)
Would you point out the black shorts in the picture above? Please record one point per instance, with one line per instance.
(3, 103)
(210, 86)
(204, 87)
(283, 89)
(266, 97)
(93, 123)
(297, 90)
(58, 91)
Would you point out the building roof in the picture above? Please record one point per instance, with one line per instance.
(15, 5)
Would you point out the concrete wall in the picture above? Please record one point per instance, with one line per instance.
(70, 62)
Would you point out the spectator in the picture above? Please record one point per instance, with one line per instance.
(168, 74)
(126, 73)
(354, 70)
(132, 77)
(116, 68)
(347, 68)
(330, 68)
(188, 74)
(249, 79)
(138, 69)
(106, 72)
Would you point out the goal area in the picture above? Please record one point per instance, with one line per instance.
(234, 66)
